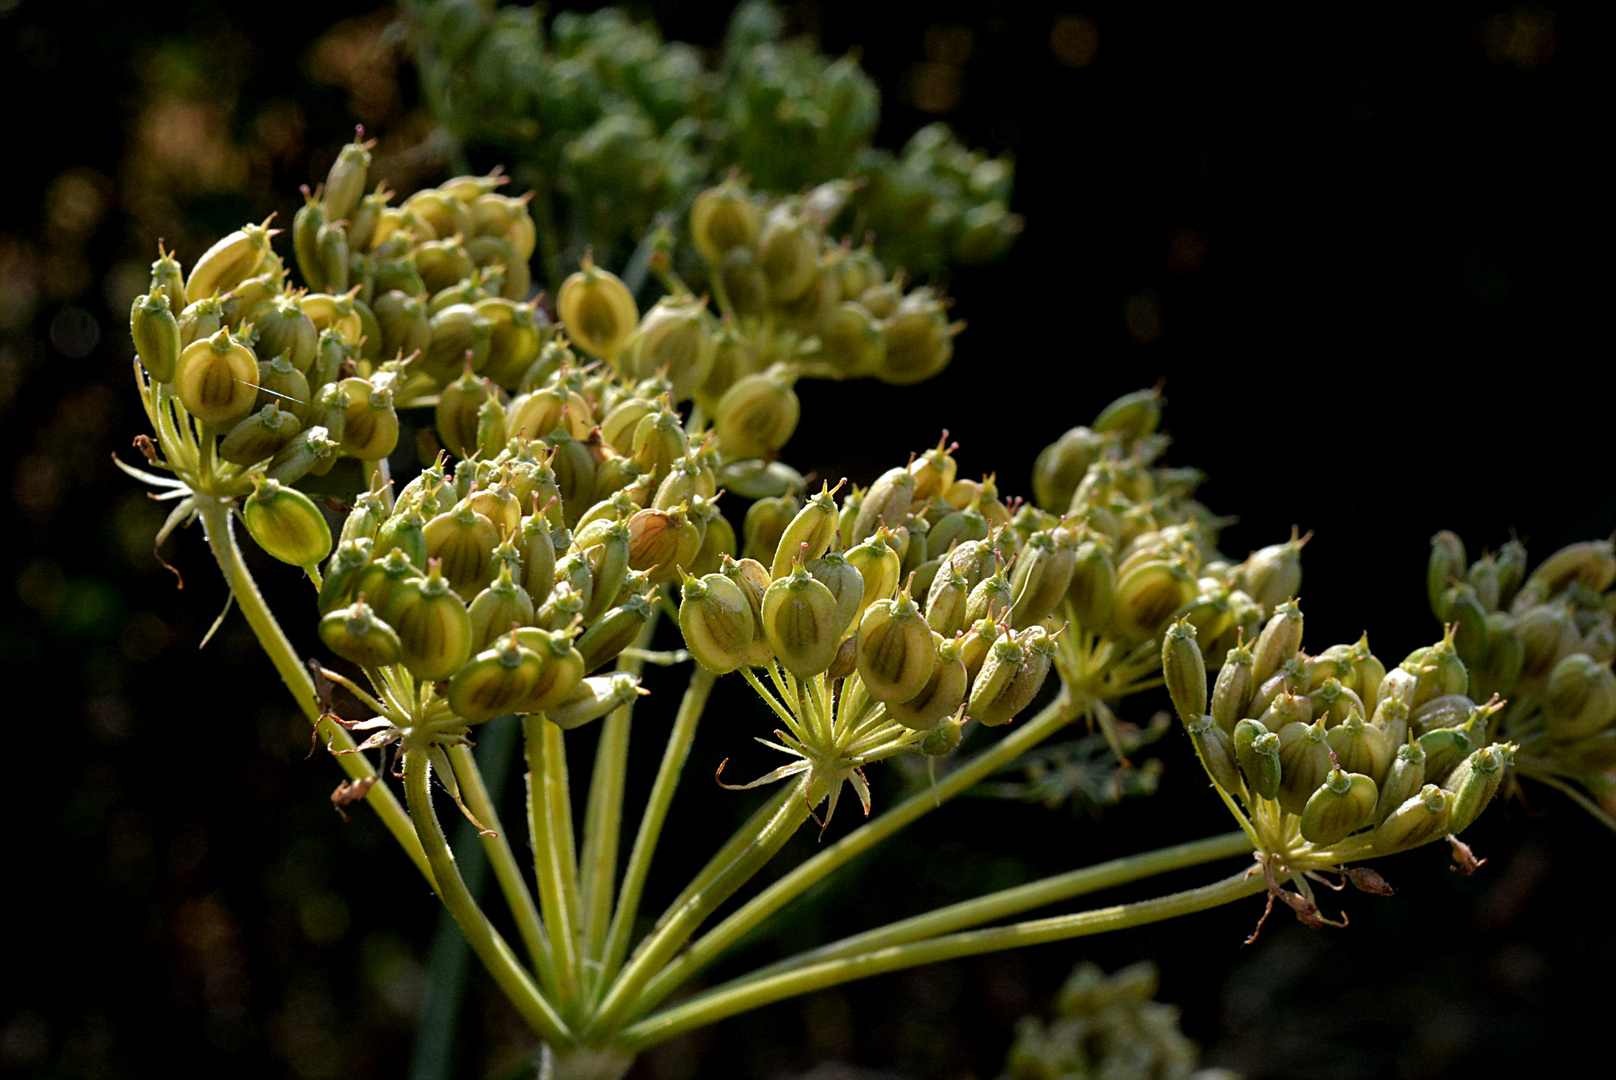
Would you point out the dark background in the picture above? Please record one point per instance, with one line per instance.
(1367, 248)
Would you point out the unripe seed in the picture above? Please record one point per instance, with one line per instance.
(896, 653)
(597, 311)
(156, 333)
(286, 524)
(1419, 820)
(216, 379)
(1342, 805)
(357, 635)
(799, 618)
(717, 622)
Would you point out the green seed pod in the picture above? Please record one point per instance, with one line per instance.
(788, 254)
(617, 427)
(717, 622)
(1184, 671)
(1092, 592)
(917, 339)
(1061, 465)
(1216, 751)
(896, 653)
(216, 379)
(1547, 634)
(765, 523)
(537, 546)
(369, 423)
(561, 671)
(1446, 566)
(1361, 747)
(676, 340)
(1292, 676)
(1342, 805)
(357, 635)
(1232, 691)
(1256, 750)
(757, 416)
(168, 280)
(456, 413)
(259, 436)
(846, 584)
(405, 532)
(405, 327)
(1419, 820)
(1592, 563)
(808, 534)
(1010, 677)
(958, 527)
(1334, 702)
(230, 261)
(377, 581)
(494, 682)
(1447, 711)
(1510, 564)
(1274, 574)
(943, 694)
(305, 452)
(946, 600)
(156, 333)
(498, 609)
(662, 542)
(1304, 759)
(341, 572)
(850, 340)
(722, 218)
(659, 441)
(717, 544)
(330, 353)
(1286, 709)
(605, 548)
(613, 632)
(1437, 670)
(1279, 641)
(1474, 782)
(753, 580)
(462, 542)
(1042, 575)
(990, 599)
(597, 311)
(517, 335)
(945, 737)
(1148, 595)
(345, 183)
(976, 643)
(434, 630)
(1444, 749)
(1482, 579)
(1581, 698)
(201, 320)
(283, 384)
(594, 698)
(1403, 780)
(286, 524)
(331, 249)
(799, 618)
(1132, 416)
(887, 502)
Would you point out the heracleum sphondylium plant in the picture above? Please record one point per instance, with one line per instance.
(521, 577)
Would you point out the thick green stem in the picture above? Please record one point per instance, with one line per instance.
(727, 1000)
(506, 869)
(215, 515)
(656, 813)
(675, 928)
(603, 818)
(485, 941)
(727, 933)
(549, 814)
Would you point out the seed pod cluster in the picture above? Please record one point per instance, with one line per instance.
(1544, 639)
(1335, 741)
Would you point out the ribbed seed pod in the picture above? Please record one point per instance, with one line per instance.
(605, 549)
(958, 527)
(1403, 780)
(341, 572)
(1444, 749)
(1148, 595)
(459, 335)
(752, 578)
(1590, 562)
(1419, 820)
(404, 323)
(1231, 693)
(787, 254)
(1042, 575)
(850, 340)
(494, 681)
(659, 441)
(1437, 671)
(597, 311)
(231, 260)
(886, 503)
(943, 693)
(799, 618)
(1279, 641)
(675, 339)
(765, 523)
(1286, 709)
(257, 437)
(1304, 759)
(201, 320)
(377, 581)
(594, 698)
(498, 505)
(975, 644)
(845, 584)
(434, 630)
(1217, 754)
(517, 334)
(614, 631)
(216, 379)
(1581, 698)
(1184, 672)
(462, 542)
(896, 652)
(757, 416)
(990, 599)
(917, 339)
(357, 635)
(498, 609)
(1256, 750)
(717, 544)
(286, 524)
(308, 450)
(1361, 748)
(717, 622)
(1334, 702)
(808, 534)
(946, 600)
(456, 414)
(1474, 783)
(404, 532)
(537, 547)
(156, 333)
(168, 280)
(369, 423)
(878, 565)
(662, 542)
(1449, 710)
(561, 672)
(1342, 805)
(722, 218)
(1092, 592)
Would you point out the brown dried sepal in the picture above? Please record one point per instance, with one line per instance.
(351, 791)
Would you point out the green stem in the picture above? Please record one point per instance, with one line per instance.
(603, 819)
(675, 928)
(730, 999)
(721, 937)
(1022, 898)
(656, 813)
(485, 941)
(216, 524)
(498, 848)
(549, 813)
